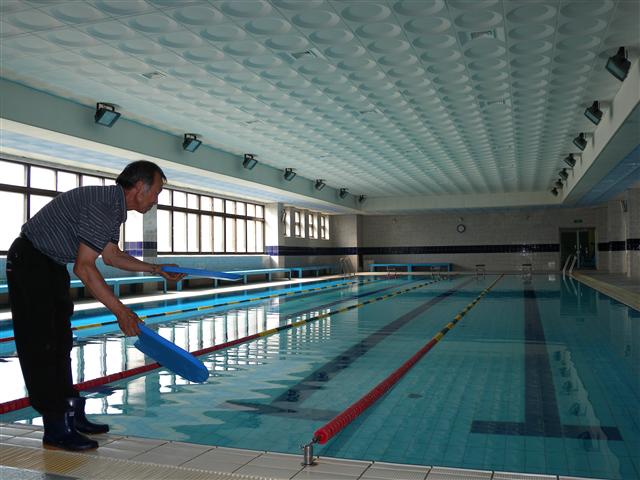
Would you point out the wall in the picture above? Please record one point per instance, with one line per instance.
(633, 232)
(502, 241)
(297, 251)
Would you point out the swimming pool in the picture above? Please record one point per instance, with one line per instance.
(542, 375)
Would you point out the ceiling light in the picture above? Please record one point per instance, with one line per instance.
(570, 160)
(580, 141)
(289, 174)
(106, 114)
(554, 191)
(249, 161)
(190, 142)
(320, 184)
(594, 113)
(558, 183)
(563, 174)
(343, 192)
(618, 65)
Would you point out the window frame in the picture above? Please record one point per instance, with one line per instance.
(200, 213)
(27, 190)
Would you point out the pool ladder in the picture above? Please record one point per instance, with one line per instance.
(345, 266)
(572, 259)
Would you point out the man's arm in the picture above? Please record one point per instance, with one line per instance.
(114, 257)
(86, 270)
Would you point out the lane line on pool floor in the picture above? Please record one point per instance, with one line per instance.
(338, 423)
(299, 392)
(542, 416)
(23, 402)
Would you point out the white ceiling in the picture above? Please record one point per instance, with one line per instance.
(386, 98)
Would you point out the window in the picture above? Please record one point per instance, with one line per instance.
(287, 223)
(191, 223)
(312, 220)
(324, 227)
(297, 224)
(25, 189)
(187, 223)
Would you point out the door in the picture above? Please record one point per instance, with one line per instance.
(580, 242)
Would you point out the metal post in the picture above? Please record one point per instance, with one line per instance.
(308, 455)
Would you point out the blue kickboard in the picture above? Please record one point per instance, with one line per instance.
(170, 356)
(199, 272)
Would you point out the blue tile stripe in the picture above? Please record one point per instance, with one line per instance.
(620, 245)
(140, 249)
(413, 250)
(276, 250)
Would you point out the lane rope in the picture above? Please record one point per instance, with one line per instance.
(23, 402)
(339, 422)
(216, 305)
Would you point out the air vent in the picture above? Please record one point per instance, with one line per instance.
(484, 34)
(154, 75)
(495, 34)
(371, 111)
(492, 103)
(302, 55)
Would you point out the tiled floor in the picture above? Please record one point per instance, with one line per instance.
(185, 458)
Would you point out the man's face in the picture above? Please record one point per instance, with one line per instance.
(148, 196)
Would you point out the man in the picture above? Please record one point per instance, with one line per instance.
(76, 226)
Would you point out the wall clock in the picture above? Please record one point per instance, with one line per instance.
(461, 228)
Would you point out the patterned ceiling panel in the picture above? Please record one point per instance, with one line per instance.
(386, 98)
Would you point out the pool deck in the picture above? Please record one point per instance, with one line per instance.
(624, 289)
(23, 457)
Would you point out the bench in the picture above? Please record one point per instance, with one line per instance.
(410, 266)
(314, 268)
(114, 282)
(261, 271)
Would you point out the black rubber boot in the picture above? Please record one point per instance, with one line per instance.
(59, 432)
(81, 422)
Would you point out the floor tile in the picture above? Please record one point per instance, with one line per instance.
(25, 442)
(440, 473)
(521, 476)
(270, 472)
(395, 472)
(311, 475)
(277, 460)
(15, 431)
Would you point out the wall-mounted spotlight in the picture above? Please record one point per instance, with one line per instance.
(249, 161)
(319, 185)
(558, 183)
(580, 141)
(570, 160)
(563, 174)
(619, 64)
(343, 192)
(289, 174)
(190, 142)
(554, 191)
(594, 113)
(106, 114)
(362, 198)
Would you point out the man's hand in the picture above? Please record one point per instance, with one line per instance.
(128, 321)
(174, 277)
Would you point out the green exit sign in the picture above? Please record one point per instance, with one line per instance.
(577, 221)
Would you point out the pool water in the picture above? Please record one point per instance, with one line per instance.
(542, 375)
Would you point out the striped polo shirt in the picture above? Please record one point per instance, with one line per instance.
(91, 215)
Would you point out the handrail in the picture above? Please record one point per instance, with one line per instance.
(345, 266)
(573, 264)
(566, 262)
